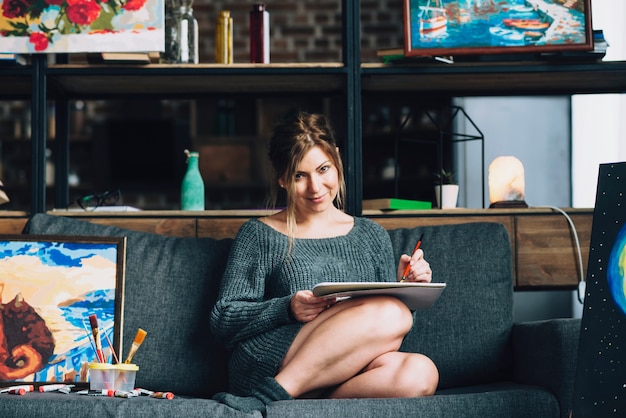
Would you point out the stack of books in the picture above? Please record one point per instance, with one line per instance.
(396, 204)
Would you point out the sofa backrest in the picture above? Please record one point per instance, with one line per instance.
(172, 283)
(467, 331)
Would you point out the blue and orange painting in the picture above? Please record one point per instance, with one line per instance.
(496, 23)
(48, 289)
(615, 270)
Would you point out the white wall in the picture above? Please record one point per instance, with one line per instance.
(599, 121)
(536, 130)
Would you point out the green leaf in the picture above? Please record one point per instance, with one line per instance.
(104, 21)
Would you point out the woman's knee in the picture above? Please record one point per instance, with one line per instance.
(417, 376)
(388, 313)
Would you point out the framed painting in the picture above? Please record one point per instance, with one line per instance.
(475, 27)
(65, 26)
(50, 286)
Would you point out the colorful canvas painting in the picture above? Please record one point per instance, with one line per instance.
(600, 388)
(64, 26)
(450, 27)
(49, 287)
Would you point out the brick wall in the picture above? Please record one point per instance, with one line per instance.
(302, 30)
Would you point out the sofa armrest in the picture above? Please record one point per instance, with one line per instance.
(545, 354)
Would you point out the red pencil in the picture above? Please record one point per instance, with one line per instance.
(408, 265)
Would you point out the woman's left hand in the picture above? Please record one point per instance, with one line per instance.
(305, 306)
(420, 269)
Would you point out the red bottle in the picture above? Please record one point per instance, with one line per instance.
(259, 34)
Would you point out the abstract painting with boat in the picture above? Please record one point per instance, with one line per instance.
(453, 27)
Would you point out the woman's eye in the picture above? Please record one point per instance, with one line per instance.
(325, 168)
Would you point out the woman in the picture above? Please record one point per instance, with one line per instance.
(288, 343)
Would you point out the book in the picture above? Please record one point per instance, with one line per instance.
(396, 56)
(396, 204)
(387, 56)
(414, 295)
(390, 52)
(119, 58)
(12, 59)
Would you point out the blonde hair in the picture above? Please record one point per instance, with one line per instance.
(290, 142)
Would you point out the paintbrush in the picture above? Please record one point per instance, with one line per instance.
(93, 321)
(111, 347)
(139, 337)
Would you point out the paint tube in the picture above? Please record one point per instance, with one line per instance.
(89, 392)
(18, 389)
(54, 387)
(123, 393)
(162, 395)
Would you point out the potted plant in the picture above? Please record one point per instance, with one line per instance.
(446, 189)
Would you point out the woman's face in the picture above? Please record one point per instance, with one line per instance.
(316, 182)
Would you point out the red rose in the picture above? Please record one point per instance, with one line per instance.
(134, 5)
(14, 8)
(54, 2)
(40, 40)
(82, 12)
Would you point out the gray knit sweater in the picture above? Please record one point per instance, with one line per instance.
(251, 316)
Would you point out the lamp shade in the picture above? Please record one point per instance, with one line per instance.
(506, 182)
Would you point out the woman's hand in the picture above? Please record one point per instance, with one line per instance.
(306, 307)
(419, 271)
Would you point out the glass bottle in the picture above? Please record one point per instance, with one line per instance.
(259, 34)
(172, 17)
(188, 30)
(192, 190)
(224, 38)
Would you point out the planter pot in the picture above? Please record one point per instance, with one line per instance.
(446, 198)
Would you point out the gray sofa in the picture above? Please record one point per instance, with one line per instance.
(489, 366)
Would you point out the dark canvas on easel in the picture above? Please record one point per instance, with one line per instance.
(600, 388)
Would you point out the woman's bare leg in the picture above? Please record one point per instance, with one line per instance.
(392, 375)
(342, 342)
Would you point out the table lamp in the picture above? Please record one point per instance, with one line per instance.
(506, 183)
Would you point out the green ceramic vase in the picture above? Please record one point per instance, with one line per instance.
(192, 191)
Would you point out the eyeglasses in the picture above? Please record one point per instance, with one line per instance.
(93, 201)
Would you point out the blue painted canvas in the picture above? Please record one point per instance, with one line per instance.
(49, 286)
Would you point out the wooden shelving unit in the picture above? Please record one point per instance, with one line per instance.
(348, 80)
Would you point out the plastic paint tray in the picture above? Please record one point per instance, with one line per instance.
(112, 376)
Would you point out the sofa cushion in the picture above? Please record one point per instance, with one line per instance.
(498, 400)
(53, 404)
(467, 331)
(171, 285)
